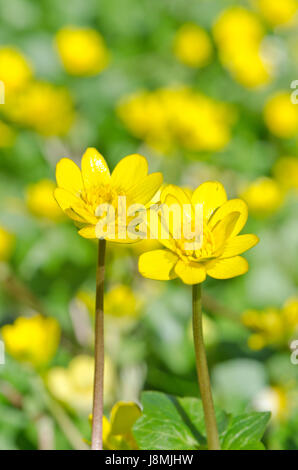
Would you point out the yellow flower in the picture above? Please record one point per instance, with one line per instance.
(120, 301)
(238, 33)
(43, 107)
(41, 202)
(82, 50)
(286, 172)
(277, 12)
(192, 45)
(6, 244)
(177, 117)
(263, 196)
(15, 70)
(74, 385)
(272, 326)
(80, 193)
(33, 339)
(218, 254)
(273, 399)
(117, 433)
(281, 115)
(7, 135)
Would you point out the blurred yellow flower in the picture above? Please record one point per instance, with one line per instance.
(171, 117)
(43, 107)
(120, 301)
(80, 192)
(286, 172)
(238, 33)
(277, 12)
(7, 135)
(82, 50)
(7, 240)
(263, 196)
(41, 202)
(32, 339)
(117, 433)
(273, 399)
(281, 115)
(74, 385)
(272, 326)
(220, 247)
(192, 45)
(15, 70)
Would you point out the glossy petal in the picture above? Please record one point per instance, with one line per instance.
(212, 195)
(190, 273)
(233, 205)
(227, 268)
(88, 231)
(68, 176)
(95, 170)
(67, 200)
(237, 245)
(143, 191)
(223, 229)
(158, 264)
(123, 416)
(180, 209)
(128, 171)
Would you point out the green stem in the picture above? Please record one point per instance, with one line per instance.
(202, 370)
(97, 411)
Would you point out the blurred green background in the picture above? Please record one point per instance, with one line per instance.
(202, 88)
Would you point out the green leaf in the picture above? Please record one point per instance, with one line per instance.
(170, 422)
(174, 423)
(245, 430)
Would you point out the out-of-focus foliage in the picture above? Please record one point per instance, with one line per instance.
(203, 90)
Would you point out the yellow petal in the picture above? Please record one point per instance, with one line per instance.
(233, 205)
(88, 231)
(227, 268)
(180, 209)
(68, 176)
(123, 416)
(223, 229)
(143, 191)
(237, 245)
(212, 195)
(95, 170)
(190, 273)
(67, 200)
(158, 264)
(128, 171)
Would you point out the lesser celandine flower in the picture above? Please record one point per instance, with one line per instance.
(15, 70)
(192, 45)
(263, 196)
(6, 243)
(80, 194)
(281, 115)
(272, 326)
(32, 339)
(41, 202)
(238, 33)
(117, 432)
(74, 385)
(277, 12)
(218, 255)
(82, 50)
(43, 107)
(212, 249)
